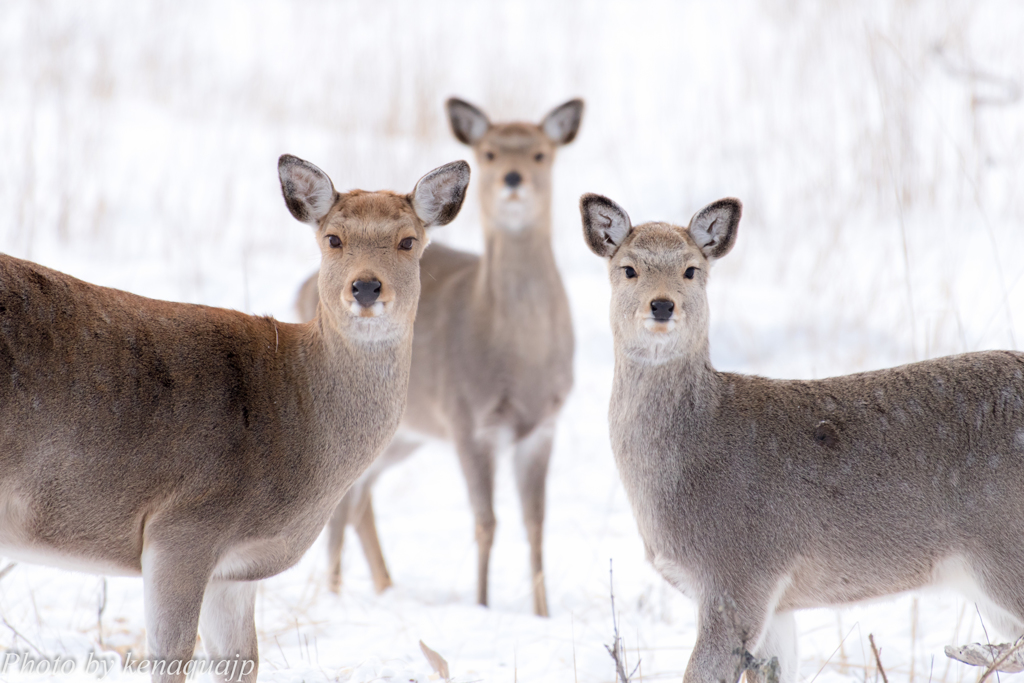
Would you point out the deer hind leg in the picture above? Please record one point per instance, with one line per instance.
(1001, 578)
(999, 591)
(336, 539)
(357, 507)
(174, 578)
(227, 625)
(366, 528)
(477, 461)
(532, 456)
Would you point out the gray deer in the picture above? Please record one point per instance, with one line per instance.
(202, 448)
(757, 497)
(492, 353)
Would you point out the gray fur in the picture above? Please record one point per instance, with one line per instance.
(492, 356)
(757, 497)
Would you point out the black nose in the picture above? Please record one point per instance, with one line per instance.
(662, 309)
(512, 178)
(366, 291)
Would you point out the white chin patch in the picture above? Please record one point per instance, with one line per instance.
(659, 326)
(366, 312)
(513, 211)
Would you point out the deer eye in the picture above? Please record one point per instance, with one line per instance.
(406, 244)
(690, 273)
(490, 156)
(539, 156)
(630, 273)
(334, 241)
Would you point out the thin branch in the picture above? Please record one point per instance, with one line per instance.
(19, 635)
(878, 659)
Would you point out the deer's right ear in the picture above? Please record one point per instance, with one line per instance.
(307, 190)
(468, 123)
(605, 224)
(438, 195)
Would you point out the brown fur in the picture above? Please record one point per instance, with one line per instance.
(492, 352)
(757, 497)
(199, 447)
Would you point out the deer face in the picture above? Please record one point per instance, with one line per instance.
(371, 243)
(514, 160)
(659, 274)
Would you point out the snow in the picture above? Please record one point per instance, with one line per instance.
(878, 148)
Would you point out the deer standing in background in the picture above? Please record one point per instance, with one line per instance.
(493, 344)
(200, 447)
(756, 497)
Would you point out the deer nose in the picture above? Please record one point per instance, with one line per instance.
(662, 309)
(366, 291)
(512, 178)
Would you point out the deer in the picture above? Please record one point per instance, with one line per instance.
(202, 448)
(493, 345)
(757, 497)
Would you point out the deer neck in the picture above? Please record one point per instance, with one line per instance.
(518, 270)
(655, 406)
(353, 383)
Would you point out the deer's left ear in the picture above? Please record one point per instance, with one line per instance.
(562, 124)
(714, 227)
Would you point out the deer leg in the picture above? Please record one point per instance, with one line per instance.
(227, 625)
(531, 465)
(366, 528)
(477, 463)
(780, 642)
(336, 540)
(174, 579)
(726, 631)
(358, 509)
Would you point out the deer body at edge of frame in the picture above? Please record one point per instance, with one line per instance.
(200, 447)
(493, 343)
(757, 497)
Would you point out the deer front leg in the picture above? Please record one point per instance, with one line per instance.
(174, 577)
(477, 461)
(531, 465)
(727, 629)
(227, 625)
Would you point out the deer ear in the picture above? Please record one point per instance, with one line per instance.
(438, 195)
(562, 124)
(468, 123)
(307, 190)
(714, 227)
(605, 224)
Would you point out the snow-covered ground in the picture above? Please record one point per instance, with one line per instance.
(878, 148)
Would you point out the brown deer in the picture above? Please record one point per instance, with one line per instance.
(492, 352)
(756, 497)
(203, 448)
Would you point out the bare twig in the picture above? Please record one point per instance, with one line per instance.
(572, 629)
(878, 659)
(100, 610)
(19, 635)
(616, 649)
